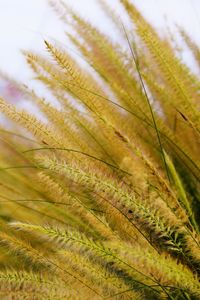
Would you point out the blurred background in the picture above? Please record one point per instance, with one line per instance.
(24, 24)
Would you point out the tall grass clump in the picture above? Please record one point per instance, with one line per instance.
(99, 192)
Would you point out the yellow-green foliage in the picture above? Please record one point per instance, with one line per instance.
(102, 200)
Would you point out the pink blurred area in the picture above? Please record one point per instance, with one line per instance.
(9, 92)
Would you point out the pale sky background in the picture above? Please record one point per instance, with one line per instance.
(24, 24)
